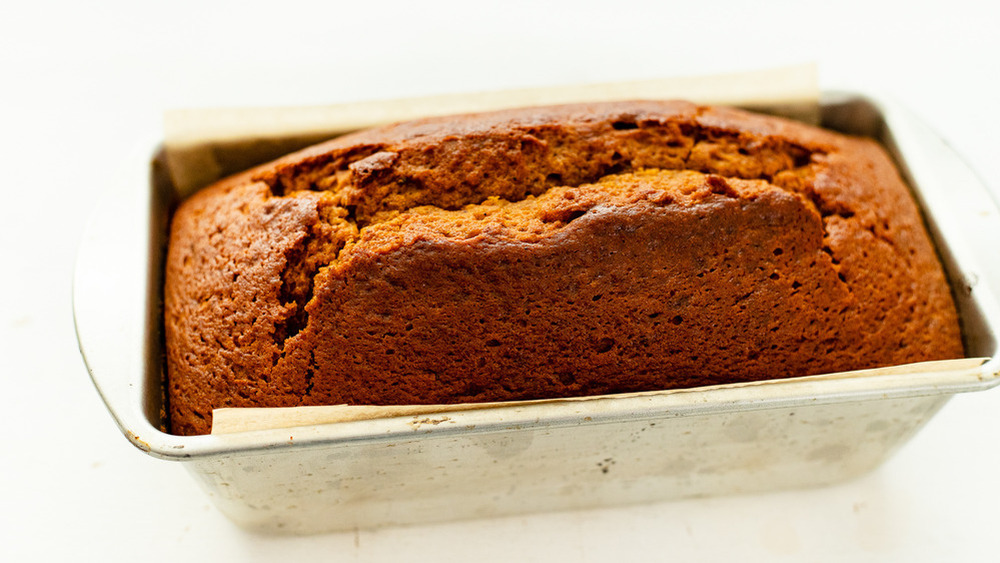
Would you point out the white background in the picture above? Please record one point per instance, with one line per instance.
(79, 83)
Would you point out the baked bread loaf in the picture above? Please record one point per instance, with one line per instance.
(548, 252)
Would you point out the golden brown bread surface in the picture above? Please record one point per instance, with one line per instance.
(548, 252)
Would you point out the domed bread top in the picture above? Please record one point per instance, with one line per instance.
(548, 252)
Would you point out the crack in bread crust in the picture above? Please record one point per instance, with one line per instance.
(376, 183)
(451, 172)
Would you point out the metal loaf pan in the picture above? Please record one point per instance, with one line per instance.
(551, 456)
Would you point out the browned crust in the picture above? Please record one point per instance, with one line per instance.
(546, 252)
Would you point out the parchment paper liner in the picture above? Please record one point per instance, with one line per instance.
(231, 420)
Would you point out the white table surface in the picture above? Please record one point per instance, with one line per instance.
(78, 83)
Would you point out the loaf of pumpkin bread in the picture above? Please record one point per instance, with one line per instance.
(548, 252)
